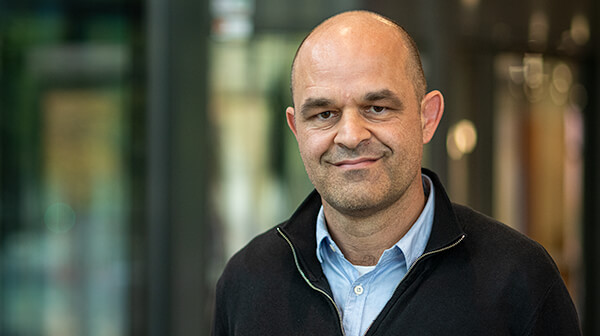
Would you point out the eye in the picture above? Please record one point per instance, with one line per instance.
(324, 115)
(376, 109)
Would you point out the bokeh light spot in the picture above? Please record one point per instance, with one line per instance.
(59, 218)
(461, 139)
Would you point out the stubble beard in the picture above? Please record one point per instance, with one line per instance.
(362, 192)
(364, 198)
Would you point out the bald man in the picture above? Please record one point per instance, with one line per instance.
(378, 248)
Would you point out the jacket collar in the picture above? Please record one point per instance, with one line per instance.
(446, 228)
(300, 228)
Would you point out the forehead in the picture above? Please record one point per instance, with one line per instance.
(340, 56)
(342, 71)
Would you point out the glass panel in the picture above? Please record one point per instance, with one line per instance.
(64, 175)
(262, 178)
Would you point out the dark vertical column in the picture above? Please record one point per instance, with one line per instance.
(591, 229)
(138, 160)
(158, 170)
(179, 166)
(440, 46)
(191, 162)
(481, 97)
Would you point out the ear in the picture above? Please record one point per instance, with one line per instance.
(291, 120)
(432, 109)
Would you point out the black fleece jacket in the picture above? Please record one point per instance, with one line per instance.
(476, 277)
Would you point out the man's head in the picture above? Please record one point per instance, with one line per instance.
(361, 115)
(413, 65)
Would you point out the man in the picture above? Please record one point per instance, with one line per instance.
(378, 249)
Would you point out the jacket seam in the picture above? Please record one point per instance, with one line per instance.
(535, 315)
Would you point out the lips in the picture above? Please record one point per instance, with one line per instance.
(356, 163)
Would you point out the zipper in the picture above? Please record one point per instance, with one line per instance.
(424, 255)
(339, 315)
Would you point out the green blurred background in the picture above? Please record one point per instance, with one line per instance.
(142, 143)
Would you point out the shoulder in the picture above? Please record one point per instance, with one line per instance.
(503, 247)
(247, 277)
(519, 273)
(250, 272)
(495, 234)
(260, 253)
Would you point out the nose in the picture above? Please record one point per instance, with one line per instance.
(352, 130)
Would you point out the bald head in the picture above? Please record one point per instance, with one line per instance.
(361, 29)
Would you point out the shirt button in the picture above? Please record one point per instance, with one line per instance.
(358, 290)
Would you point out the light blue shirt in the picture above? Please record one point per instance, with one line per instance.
(361, 298)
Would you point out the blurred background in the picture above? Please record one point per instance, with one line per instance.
(142, 143)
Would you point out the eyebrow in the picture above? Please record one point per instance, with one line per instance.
(384, 94)
(311, 103)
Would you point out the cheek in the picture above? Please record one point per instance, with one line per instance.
(405, 137)
(313, 145)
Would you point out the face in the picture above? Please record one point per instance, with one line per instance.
(358, 122)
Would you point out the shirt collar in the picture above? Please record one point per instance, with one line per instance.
(412, 244)
(323, 237)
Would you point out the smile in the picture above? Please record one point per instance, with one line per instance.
(356, 163)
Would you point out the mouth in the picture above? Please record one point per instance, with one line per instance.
(356, 163)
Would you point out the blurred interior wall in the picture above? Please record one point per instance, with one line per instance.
(178, 135)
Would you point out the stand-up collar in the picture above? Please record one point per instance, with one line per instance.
(446, 228)
(300, 228)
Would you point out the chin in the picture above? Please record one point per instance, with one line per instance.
(361, 204)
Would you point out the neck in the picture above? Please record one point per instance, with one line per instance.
(363, 239)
